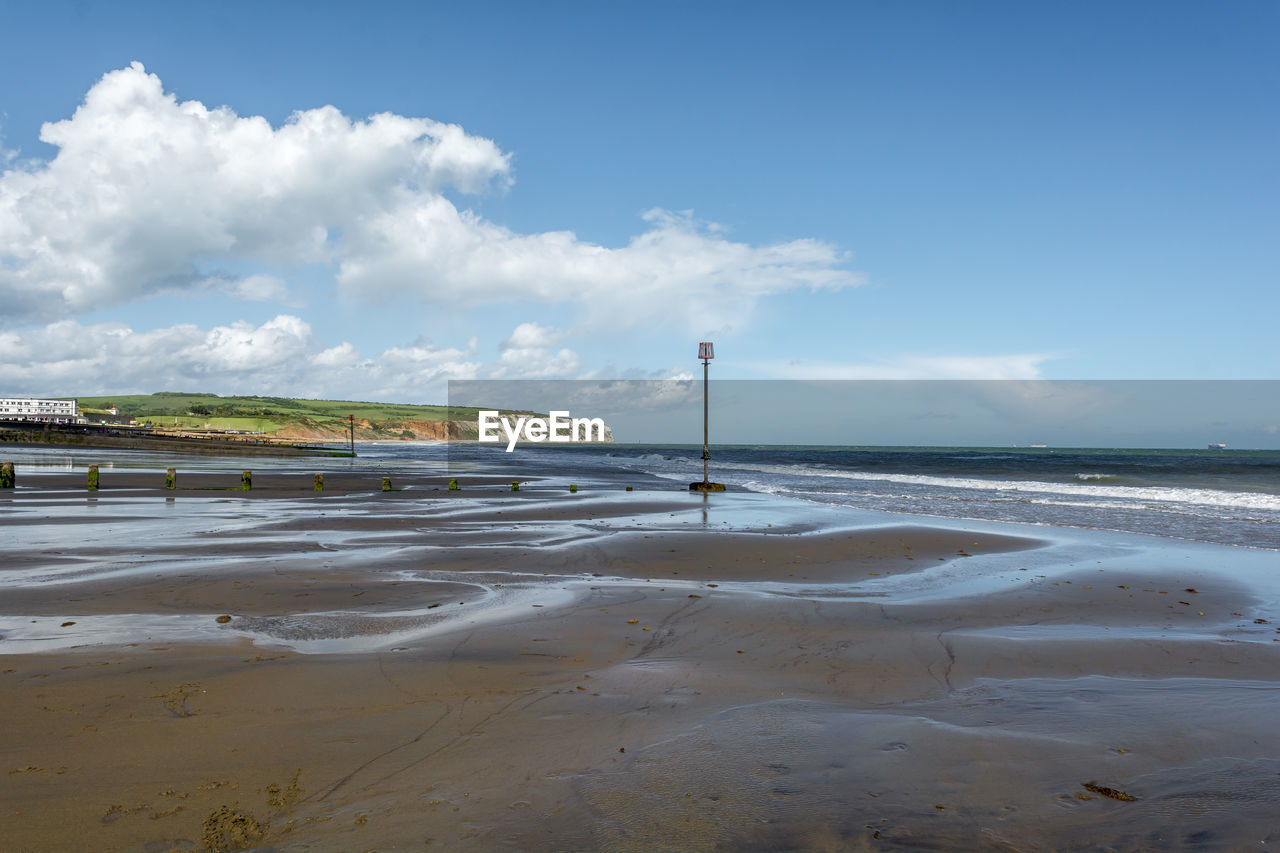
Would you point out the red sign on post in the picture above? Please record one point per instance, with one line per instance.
(706, 350)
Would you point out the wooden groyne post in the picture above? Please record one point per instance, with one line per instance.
(170, 478)
(246, 480)
(319, 483)
(453, 484)
(93, 478)
(386, 484)
(6, 475)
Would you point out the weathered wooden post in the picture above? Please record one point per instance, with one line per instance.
(246, 480)
(6, 475)
(386, 484)
(453, 484)
(93, 478)
(170, 478)
(515, 485)
(573, 488)
(319, 486)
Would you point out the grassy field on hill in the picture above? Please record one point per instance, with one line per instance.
(265, 414)
(174, 403)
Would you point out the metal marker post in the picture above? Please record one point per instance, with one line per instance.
(351, 421)
(706, 352)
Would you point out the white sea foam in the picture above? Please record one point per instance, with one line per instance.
(1128, 494)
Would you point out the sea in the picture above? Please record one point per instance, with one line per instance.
(1229, 497)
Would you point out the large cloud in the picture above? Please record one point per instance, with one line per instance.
(278, 357)
(148, 193)
(680, 267)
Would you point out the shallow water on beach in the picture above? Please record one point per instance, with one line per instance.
(617, 670)
(57, 539)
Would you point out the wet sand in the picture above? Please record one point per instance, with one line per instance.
(423, 669)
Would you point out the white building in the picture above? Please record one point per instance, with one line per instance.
(44, 411)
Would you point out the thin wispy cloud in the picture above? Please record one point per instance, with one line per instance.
(1012, 366)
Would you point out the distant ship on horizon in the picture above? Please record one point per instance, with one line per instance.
(1217, 447)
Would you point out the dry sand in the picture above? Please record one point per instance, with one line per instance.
(485, 670)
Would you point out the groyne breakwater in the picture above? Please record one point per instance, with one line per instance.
(80, 435)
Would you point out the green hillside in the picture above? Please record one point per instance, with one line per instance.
(263, 414)
(182, 403)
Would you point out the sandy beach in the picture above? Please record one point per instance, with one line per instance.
(212, 670)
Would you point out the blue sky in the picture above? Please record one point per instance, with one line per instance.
(842, 190)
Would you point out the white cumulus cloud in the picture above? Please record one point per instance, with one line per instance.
(680, 267)
(148, 193)
(145, 189)
(278, 357)
(529, 352)
(528, 335)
